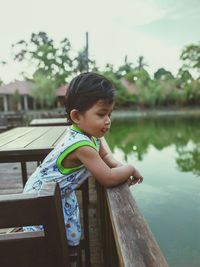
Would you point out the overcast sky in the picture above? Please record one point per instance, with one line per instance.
(155, 29)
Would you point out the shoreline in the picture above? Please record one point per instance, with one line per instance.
(117, 113)
(155, 113)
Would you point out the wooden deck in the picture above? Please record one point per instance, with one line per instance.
(11, 182)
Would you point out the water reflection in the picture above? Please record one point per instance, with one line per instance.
(189, 159)
(167, 151)
(136, 136)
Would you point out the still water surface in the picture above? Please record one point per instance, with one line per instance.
(167, 152)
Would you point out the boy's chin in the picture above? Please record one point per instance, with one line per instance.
(101, 135)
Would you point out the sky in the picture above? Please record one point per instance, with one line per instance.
(158, 30)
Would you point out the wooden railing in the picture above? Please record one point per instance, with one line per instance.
(126, 237)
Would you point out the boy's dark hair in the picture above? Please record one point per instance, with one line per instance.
(85, 90)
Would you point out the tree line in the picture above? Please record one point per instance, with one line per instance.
(54, 65)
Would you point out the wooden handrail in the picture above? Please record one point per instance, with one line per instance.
(136, 246)
(126, 236)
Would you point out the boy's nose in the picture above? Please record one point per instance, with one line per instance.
(108, 120)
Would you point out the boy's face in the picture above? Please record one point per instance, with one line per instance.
(96, 120)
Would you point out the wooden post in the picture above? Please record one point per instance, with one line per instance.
(5, 103)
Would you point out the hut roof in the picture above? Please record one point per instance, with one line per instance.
(23, 88)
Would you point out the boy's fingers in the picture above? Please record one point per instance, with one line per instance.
(134, 180)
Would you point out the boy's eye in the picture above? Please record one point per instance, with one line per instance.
(101, 114)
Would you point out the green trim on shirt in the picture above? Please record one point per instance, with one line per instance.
(66, 153)
(75, 128)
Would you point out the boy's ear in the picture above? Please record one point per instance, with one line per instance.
(74, 115)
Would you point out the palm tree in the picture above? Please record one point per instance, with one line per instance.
(141, 63)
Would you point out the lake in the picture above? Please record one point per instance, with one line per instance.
(166, 150)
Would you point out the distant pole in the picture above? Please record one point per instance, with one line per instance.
(87, 53)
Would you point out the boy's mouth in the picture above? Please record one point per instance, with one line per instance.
(104, 130)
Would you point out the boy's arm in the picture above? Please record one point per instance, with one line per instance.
(107, 176)
(107, 157)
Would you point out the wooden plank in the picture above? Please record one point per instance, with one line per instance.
(48, 139)
(60, 138)
(22, 235)
(136, 245)
(25, 206)
(27, 249)
(44, 209)
(13, 135)
(31, 138)
(49, 122)
(25, 139)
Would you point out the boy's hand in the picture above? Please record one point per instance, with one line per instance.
(135, 178)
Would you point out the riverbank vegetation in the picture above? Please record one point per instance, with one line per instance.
(54, 65)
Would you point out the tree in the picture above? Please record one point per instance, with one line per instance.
(138, 75)
(43, 90)
(163, 74)
(125, 68)
(183, 77)
(83, 63)
(109, 68)
(141, 63)
(51, 61)
(191, 56)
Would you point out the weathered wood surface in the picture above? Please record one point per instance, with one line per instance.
(135, 243)
(24, 144)
(26, 140)
(25, 249)
(49, 122)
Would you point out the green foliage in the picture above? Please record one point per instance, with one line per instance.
(188, 160)
(138, 74)
(191, 56)
(124, 69)
(54, 66)
(124, 99)
(163, 90)
(17, 100)
(43, 90)
(137, 135)
(151, 94)
(83, 63)
(192, 91)
(54, 62)
(162, 74)
(141, 63)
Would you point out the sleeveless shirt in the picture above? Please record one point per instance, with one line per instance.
(51, 169)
